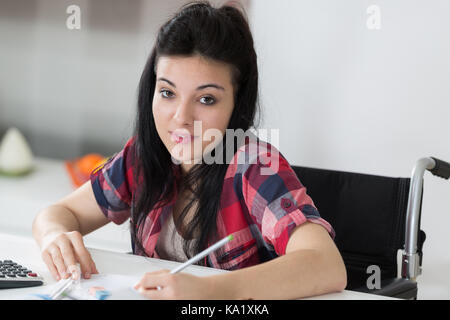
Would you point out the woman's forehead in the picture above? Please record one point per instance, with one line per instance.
(193, 68)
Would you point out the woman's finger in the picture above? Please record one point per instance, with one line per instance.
(68, 256)
(94, 267)
(152, 280)
(50, 265)
(154, 294)
(149, 274)
(58, 261)
(75, 271)
(83, 255)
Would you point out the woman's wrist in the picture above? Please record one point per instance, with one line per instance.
(222, 286)
(46, 227)
(50, 222)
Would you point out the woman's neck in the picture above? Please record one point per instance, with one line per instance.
(185, 168)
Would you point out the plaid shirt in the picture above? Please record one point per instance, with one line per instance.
(259, 209)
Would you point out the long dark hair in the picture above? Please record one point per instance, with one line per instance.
(221, 34)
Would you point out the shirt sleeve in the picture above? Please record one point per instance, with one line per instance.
(276, 199)
(112, 184)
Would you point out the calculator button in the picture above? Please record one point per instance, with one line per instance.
(14, 275)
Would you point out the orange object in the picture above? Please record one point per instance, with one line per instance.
(80, 169)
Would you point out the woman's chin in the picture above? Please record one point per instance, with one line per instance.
(185, 160)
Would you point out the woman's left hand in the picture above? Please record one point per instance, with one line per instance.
(178, 286)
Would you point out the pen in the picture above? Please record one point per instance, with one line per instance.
(65, 284)
(62, 286)
(202, 254)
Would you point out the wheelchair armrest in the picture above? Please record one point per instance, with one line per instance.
(395, 287)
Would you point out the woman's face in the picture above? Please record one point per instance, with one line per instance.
(193, 96)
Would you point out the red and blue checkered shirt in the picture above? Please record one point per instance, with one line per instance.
(259, 209)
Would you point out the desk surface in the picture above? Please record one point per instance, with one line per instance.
(25, 251)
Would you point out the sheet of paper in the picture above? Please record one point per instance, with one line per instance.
(120, 286)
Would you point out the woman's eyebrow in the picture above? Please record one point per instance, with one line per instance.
(212, 85)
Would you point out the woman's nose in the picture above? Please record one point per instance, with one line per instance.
(184, 114)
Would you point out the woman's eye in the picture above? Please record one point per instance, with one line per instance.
(207, 100)
(166, 93)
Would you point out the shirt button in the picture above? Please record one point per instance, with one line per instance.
(286, 203)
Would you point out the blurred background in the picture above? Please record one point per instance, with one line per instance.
(345, 95)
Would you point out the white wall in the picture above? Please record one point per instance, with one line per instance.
(74, 91)
(372, 101)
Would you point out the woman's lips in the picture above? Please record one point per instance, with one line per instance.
(182, 138)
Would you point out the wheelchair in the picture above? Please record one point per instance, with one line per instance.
(374, 217)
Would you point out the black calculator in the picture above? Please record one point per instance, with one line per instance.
(13, 275)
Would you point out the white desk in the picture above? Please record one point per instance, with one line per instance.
(25, 251)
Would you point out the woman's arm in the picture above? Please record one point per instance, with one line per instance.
(311, 266)
(58, 230)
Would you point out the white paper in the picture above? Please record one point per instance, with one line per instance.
(119, 286)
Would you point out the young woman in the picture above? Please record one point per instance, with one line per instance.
(200, 78)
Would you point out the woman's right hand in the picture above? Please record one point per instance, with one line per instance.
(61, 251)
